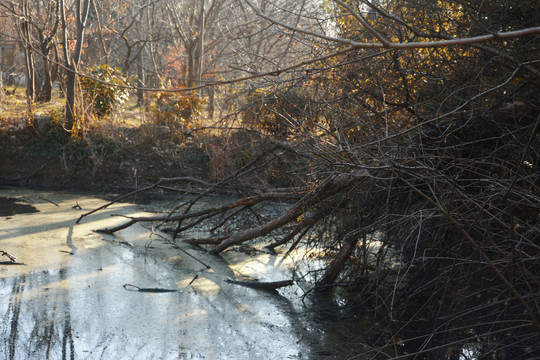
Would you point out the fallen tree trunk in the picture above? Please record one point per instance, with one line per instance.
(334, 270)
(267, 285)
(325, 191)
(249, 234)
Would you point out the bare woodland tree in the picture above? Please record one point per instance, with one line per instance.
(72, 50)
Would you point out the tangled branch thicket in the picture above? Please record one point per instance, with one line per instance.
(436, 229)
(458, 209)
(417, 176)
(435, 225)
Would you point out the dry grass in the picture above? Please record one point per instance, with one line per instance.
(16, 106)
(14, 109)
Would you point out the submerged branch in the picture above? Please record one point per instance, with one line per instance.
(205, 212)
(268, 285)
(8, 255)
(139, 191)
(130, 287)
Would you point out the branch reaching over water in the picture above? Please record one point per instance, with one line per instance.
(196, 214)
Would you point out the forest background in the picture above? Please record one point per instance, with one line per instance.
(403, 134)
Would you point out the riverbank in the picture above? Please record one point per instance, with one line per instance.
(112, 158)
(109, 159)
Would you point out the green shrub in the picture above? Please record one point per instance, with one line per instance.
(176, 110)
(104, 97)
(279, 113)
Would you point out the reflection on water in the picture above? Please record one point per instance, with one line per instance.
(68, 301)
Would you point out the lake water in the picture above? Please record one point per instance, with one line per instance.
(65, 298)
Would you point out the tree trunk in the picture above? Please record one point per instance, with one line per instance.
(190, 81)
(140, 79)
(72, 59)
(30, 75)
(28, 54)
(45, 93)
(201, 46)
(1, 80)
(333, 271)
(211, 102)
(70, 98)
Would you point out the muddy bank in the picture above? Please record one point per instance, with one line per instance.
(112, 173)
(121, 162)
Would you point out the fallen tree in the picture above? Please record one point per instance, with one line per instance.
(452, 214)
(421, 188)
